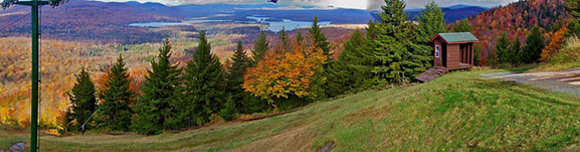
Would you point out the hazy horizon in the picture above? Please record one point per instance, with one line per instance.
(353, 4)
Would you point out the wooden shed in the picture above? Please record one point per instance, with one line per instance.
(452, 51)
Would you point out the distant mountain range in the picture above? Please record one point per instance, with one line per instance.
(452, 13)
(96, 20)
(455, 12)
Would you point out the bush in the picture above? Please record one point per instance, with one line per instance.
(574, 27)
(229, 111)
(570, 53)
(253, 104)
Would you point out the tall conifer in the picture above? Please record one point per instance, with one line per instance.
(83, 100)
(501, 49)
(115, 110)
(352, 71)
(515, 50)
(240, 63)
(431, 22)
(204, 85)
(399, 59)
(261, 46)
(534, 45)
(284, 41)
(320, 39)
(154, 107)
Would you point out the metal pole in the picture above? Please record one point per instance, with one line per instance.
(34, 107)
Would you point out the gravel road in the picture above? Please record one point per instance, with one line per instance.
(567, 81)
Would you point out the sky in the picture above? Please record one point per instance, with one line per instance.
(357, 4)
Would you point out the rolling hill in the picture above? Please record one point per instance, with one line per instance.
(517, 20)
(459, 112)
(452, 13)
(455, 12)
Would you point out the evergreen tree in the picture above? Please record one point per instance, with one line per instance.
(115, 110)
(204, 85)
(534, 45)
(574, 9)
(462, 26)
(284, 41)
(240, 63)
(299, 38)
(501, 49)
(371, 31)
(574, 27)
(321, 42)
(399, 60)
(83, 100)
(476, 53)
(352, 71)
(154, 107)
(229, 111)
(319, 38)
(431, 22)
(514, 50)
(261, 46)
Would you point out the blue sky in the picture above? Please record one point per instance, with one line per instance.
(359, 4)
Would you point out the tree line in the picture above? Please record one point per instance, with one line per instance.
(292, 73)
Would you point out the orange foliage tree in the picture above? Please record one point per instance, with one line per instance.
(285, 73)
(555, 44)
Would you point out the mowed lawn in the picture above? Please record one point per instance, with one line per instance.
(459, 111)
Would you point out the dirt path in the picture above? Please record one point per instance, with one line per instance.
(567, 81)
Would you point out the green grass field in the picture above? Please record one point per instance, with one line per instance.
(458, 112)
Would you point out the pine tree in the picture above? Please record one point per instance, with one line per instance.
(204, 85)
(352, 71)
(399, 60)
(462, 26)
(501, 49)
(229, 111)
(115, 110)
(261, 46)
(514, 51)
(534, 45)
(321, 42)
(83, 100)
(154, 107)
(574, 8)
(284, 41)
(574, 26)
(319, 38)
(431, 22)
(299, 38)
(240, 63)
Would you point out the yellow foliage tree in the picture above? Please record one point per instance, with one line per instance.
(555, 44)
(285, 73)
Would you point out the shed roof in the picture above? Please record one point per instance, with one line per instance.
(456, 37)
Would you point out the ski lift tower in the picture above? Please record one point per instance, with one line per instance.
(34, 4)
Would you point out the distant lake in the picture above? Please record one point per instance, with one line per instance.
(275, 25)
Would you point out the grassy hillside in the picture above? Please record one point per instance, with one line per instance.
(456, 112)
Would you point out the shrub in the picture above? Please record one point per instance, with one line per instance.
(229, 111)
(570, 53)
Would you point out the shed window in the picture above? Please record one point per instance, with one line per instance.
(437, 50)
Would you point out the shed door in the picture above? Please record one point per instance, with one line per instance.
(437, 53)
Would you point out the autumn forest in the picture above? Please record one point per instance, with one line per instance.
(154, 80)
